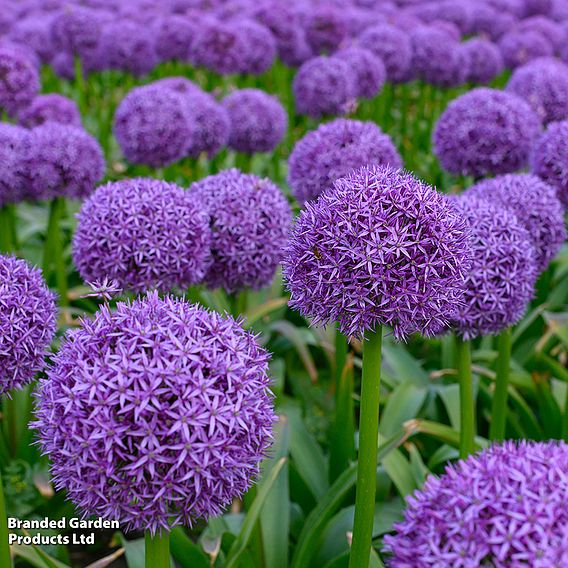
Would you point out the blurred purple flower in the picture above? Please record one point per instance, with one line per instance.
(173, 37)
(326, 28)
(369, 70)
(519, 47)
(51, 107)
(12, 145)
(485, 61)
(19, 81)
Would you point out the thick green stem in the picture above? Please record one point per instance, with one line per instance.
(53, 251)
(467, 405)
(157, 550)
(499, 407)
(368, 444)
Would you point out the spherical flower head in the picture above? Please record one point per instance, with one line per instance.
(536, 206)
(436, 57)
(549, 159)
(35, 33)
(152, 126)
(180, 85)
(127, 46)
(334, 149)
(392, 45)
(261, 46)
(325, 27)
(258, 120)
(50, 108)
(156, 414)
(219, 47)
(501, 280)
(485, 61)
(61, 160)
(505, 506)
(250, 222)
(324, 86)
(485, 131)
(543, 83)
(457, 13)
(378, 248)
(546, 27)
(12, 144)
(519, 47)
(370, 72)
(145, 234)
(19, 81)
(559, 10)
(173, 37)
(209, 124)
(27, 322)
(490, 22)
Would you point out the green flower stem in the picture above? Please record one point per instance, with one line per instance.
(368, 444)
(467, 405)
(157, 550)
(5, 558)
(499, 407)
(53, 251)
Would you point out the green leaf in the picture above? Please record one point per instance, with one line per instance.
(240, 544)
(450, 395)
(185, 551)
(399, 470)
(275, 515)
(419, 470)
(133, 551)
(441, 432)
(293, 335)
(35, 556)
(399, 364)
(403, 404)
(329, 503)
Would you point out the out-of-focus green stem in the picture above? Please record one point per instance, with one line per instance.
(53, 251)
(157, 550)
(499, 406)
(467, 405)
(368, 449)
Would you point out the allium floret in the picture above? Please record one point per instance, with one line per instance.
(536, 206)
(28, 315)
(258, 120)
(143, 233)
(156, 414)
(505, 506)
(501, 280)
(378, 248)
(333, 150)
(485, 131)
(549, 159)
(250, 222)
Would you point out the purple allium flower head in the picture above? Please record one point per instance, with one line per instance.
(489, 22)
(152, 125)
(261, 46)
(157, 414)
(485, 61)
(436, 57)
(35, 33)
(501, 280)
(50, 108)
(549, 159)
(143, 233)
(127, 46)
(536, 206)
(457, 13)
(173, 37)
(19, 81)
(392, 45)
(219, 47)
(325, 28)
(370, 72)
(332, 151)
(543, 83)
(181, 85)
(547, 27)
(379, 247)
(506, 506)
(61, 160)
(258, 120)
(27, 322)
(519, 47)
(12, 144)
(209, 122)
(559, 10)
(284, 23)
(63, 64)
(324, 86)
(485, 131)
(250, 222)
